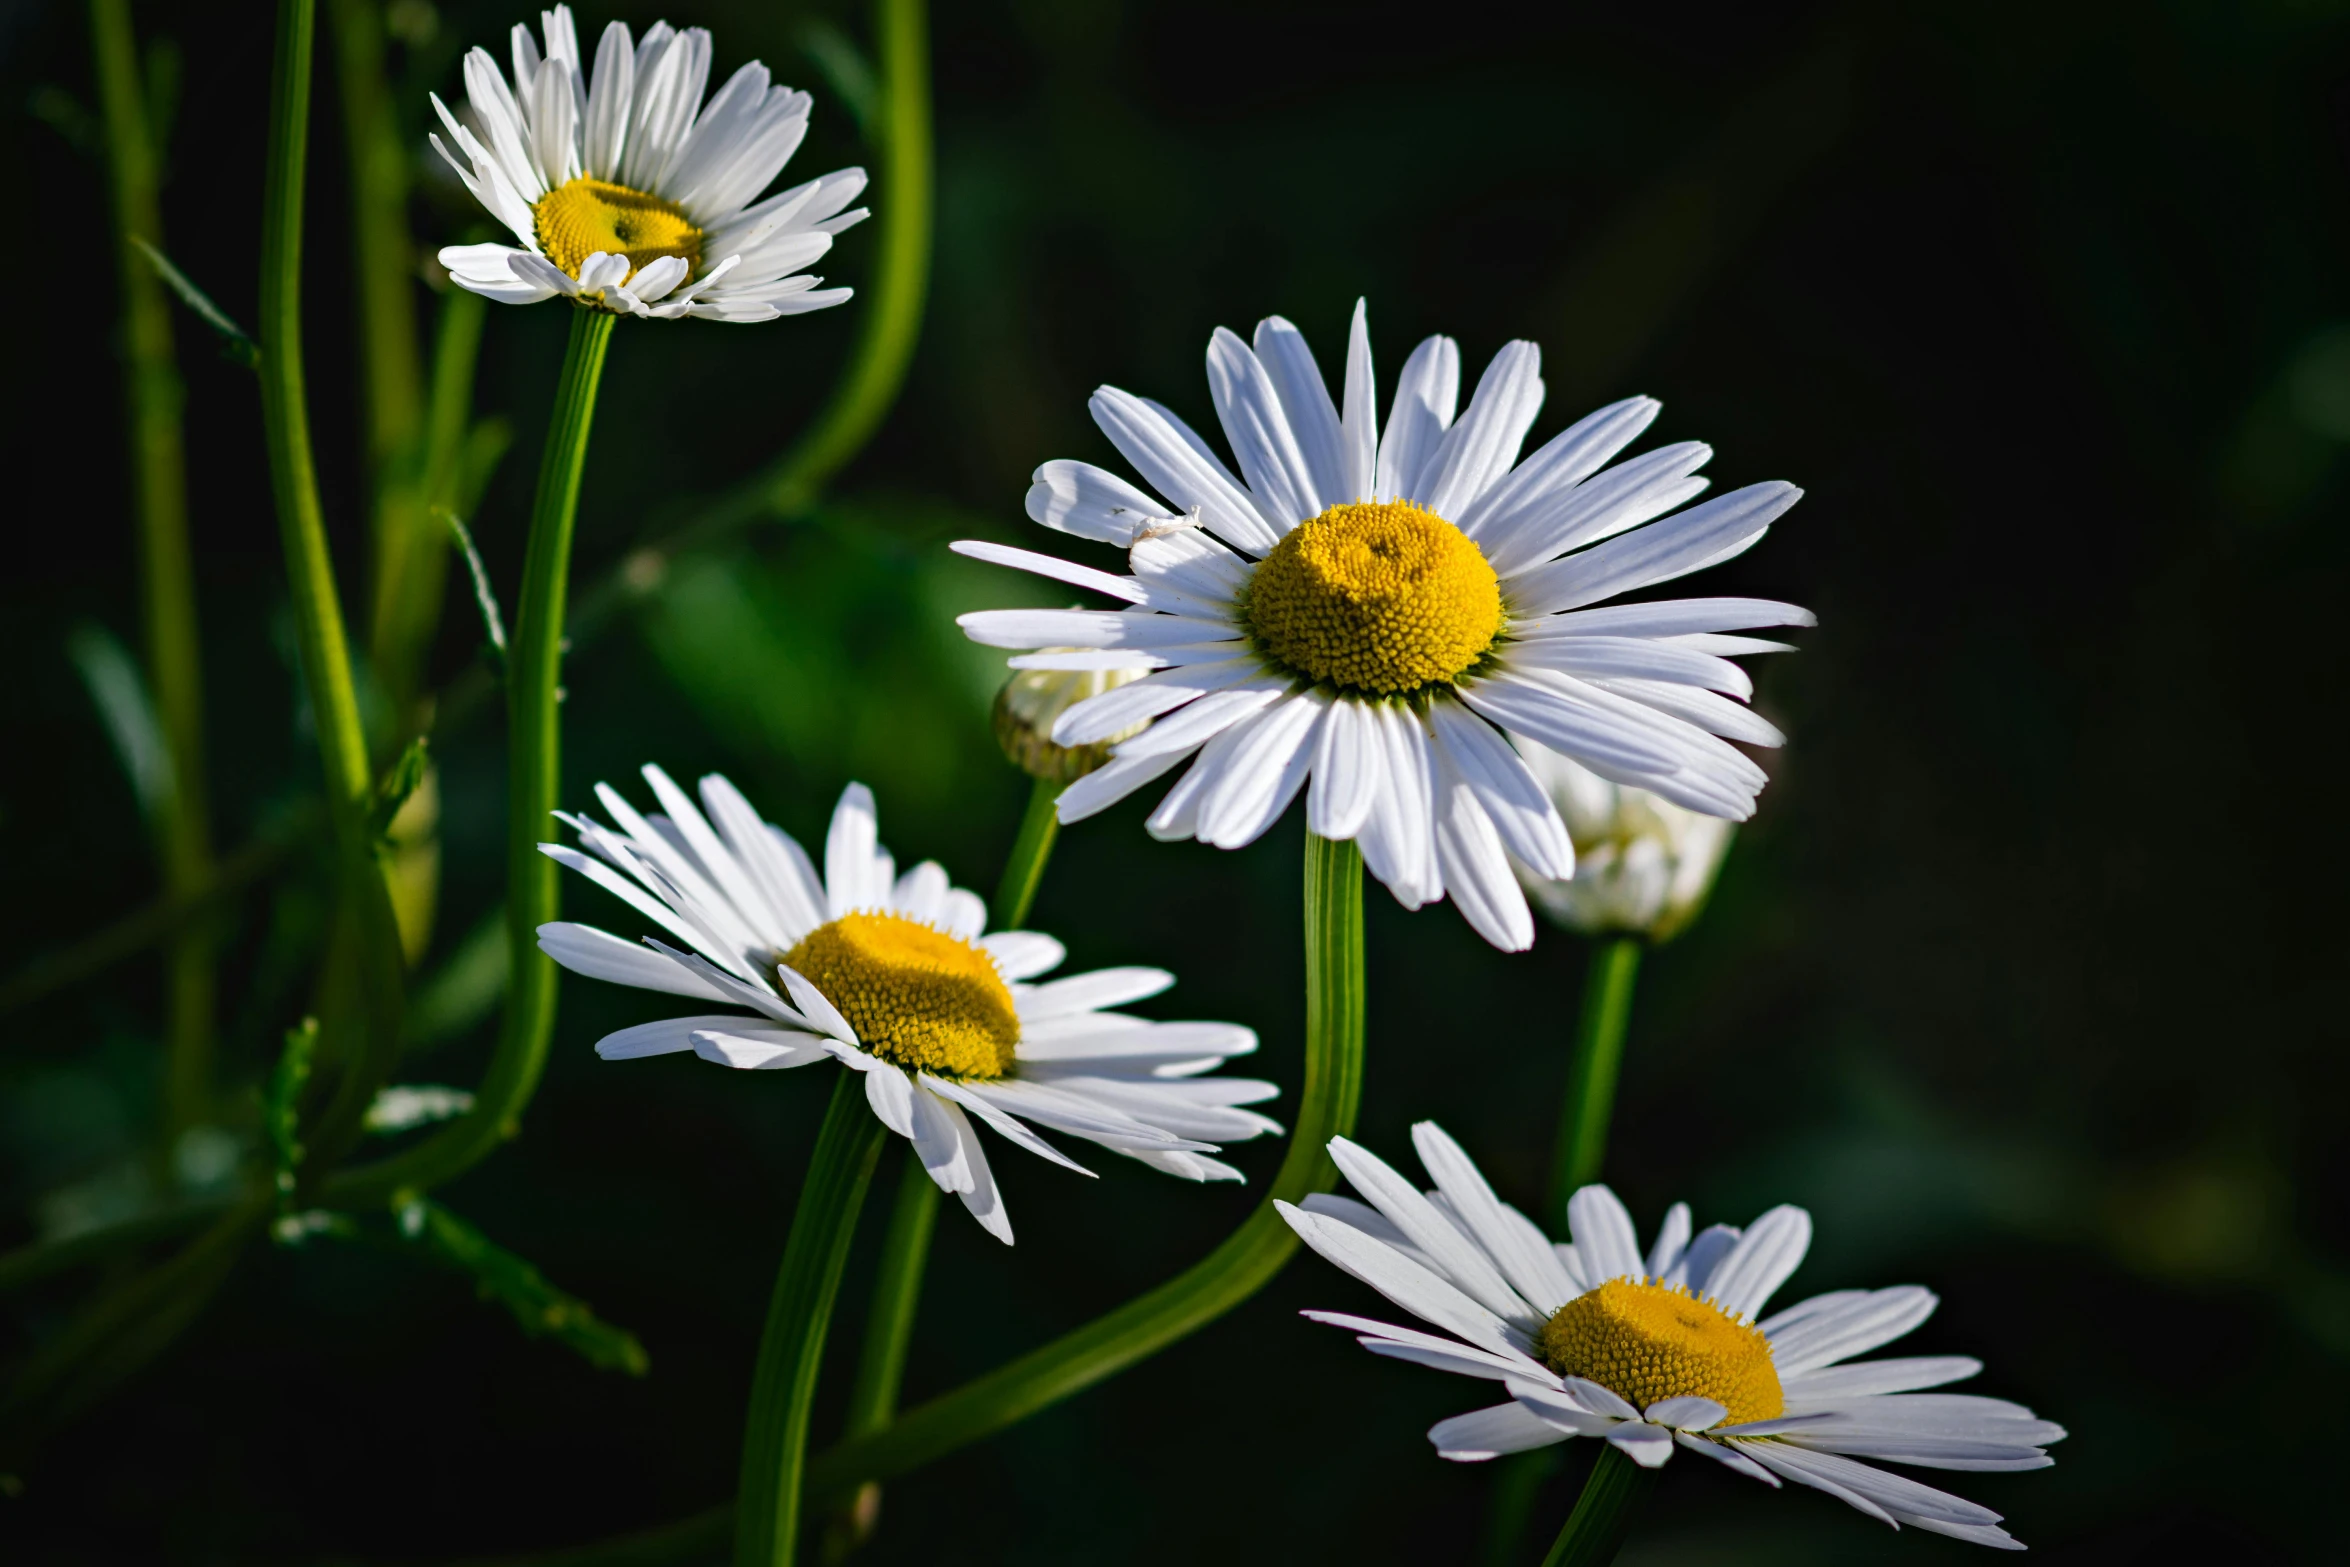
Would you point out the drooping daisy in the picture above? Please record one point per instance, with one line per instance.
(1643, 865)
(1661, 1351)
(1369, 611)
(891, 976)
(628, 192)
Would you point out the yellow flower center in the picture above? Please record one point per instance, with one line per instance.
(1644, 1341)
(582, 216)
(1384, 598)
(916, 996)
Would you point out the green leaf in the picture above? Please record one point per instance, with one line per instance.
(539, 1307)
(845, 70)
(119, 691)
(235, 342)
(398, 784)
(484, 596)
(281, 1105)
(465, 988)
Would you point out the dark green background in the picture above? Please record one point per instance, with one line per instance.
(2026, 979)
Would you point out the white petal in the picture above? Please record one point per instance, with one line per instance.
(1672, 1238)
(1425, 395)
(1770, 1250)
(1853, 1327)
(1727, 1454)
(1458, 1257)
(1088, 577)
(890, 1093)
(1521, 810)
(856, 872)
(1091, 503)
(1023, 954)
(936, 1141)
(1359, 475)
(1305, 400)
(1177, 464)
(1414, 1288)
(1659, 552)
(1005, 1125)
(1428, 1350)
(1618, 500)
(1109, 987)
(1489, 1433)
(585, 950)
(665, 1036)
(1524, 1259)
(1267, 769)
(1254, 422)
(983, 1200)
(1605, 1241)
(1347, 770)
(1646, 1445)
(1901, 1375)
(1543, 480)
(760, 1049)
(812, 1003)
(1686, 1413)
(1105, 786)
(1483, 445)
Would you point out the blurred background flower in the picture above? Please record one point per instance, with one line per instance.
(2044, 305)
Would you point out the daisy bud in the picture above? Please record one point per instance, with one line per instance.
(1033, 700)
(1643, 865)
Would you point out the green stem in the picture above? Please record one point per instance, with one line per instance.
(897, 1288)
(889, 1333)
(1603, 1514)
(153, 397)
(901, 271)
(1235, 1270)
(1040, 826)
(318, 615)
(791, 1350)
(533, 777)
(1591, 1076)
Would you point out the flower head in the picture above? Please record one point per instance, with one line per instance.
(1657, 1350)
(628, 192)
(1643, 865)
(895, 977)
(1365, 616)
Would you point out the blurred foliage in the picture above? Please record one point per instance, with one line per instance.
(2023, 980)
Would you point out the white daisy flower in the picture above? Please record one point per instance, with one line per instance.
(892, 976)
(1368, 613)
(1662, 1350)
(628, 192)
(1643, 865)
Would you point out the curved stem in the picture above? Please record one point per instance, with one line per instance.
(1603, 1514)
(533, 777)
(1591, 1075)
(901, 271)
(1231, 1273)
(318, 614)
(791, 1349)
(153, 397)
